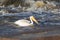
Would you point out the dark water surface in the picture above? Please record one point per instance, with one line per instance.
(47, 22)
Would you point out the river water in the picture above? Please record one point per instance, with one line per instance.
(47, 22)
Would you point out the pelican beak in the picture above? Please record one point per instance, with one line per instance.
(33, 19)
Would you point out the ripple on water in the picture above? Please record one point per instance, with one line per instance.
(47, 21)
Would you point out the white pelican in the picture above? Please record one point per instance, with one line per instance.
(25, 23)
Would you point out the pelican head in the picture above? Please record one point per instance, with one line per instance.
(33, 19)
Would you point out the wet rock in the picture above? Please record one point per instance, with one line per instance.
(36, 5)
(15, 2)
